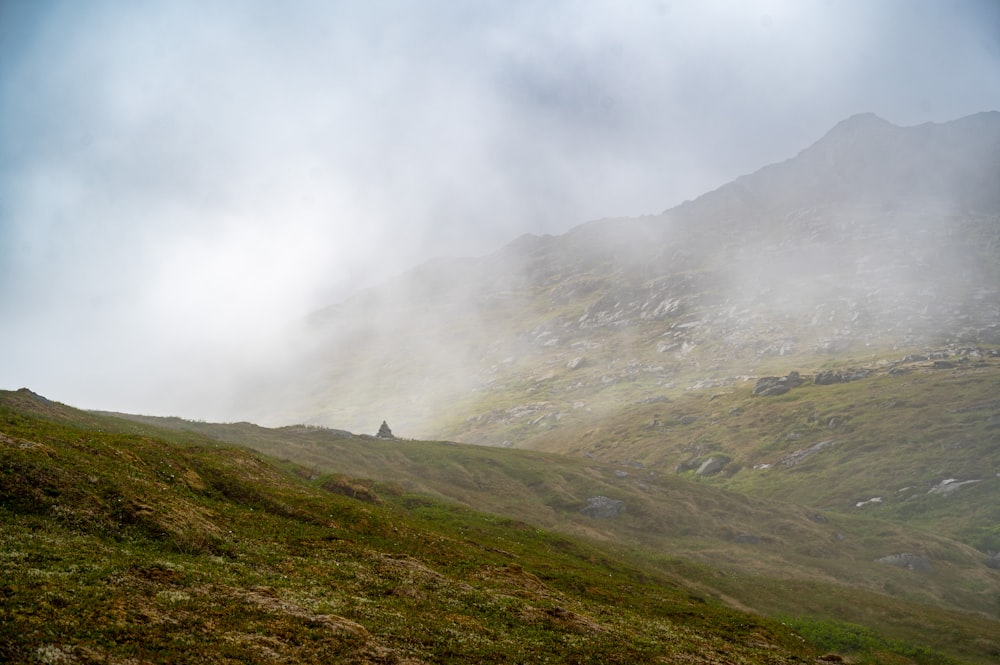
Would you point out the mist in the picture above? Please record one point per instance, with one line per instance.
(182, 184)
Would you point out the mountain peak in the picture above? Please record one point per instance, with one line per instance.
(861, 127)
(861, 121)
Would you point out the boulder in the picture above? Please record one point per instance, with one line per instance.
(828, 377)
(769, 386)
(832, 376)
(601, 507)
(950, 485)
(994, 561)
(712, 465)
(801, 455)
(906, 560)
(688, 465)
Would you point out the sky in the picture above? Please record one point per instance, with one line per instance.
(182, 181)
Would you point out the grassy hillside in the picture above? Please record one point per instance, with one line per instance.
(894, 434)
(771, 556)
(127, 548)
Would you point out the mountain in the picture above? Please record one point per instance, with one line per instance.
(153, 540)
(876, 239)
(758, 427)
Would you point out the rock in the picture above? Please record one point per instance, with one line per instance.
(801, 455)
(769, 386)
(601, 507)
(832, 376)
(576, 363)
(687, 420)
(828, 377)
(994, 561)
(712, 465)
(688, 465)
(906, 560)
(943, 364)
(949, 486)
(384, 432)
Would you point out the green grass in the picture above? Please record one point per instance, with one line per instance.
(806, 561)
(125, 547)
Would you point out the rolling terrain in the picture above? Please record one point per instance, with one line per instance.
(800, 535)
(137, 548)
(760, 427)
(128, 541)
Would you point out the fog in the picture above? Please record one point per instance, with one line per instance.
(182, 183)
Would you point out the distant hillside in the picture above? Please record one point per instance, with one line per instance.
(877, 239)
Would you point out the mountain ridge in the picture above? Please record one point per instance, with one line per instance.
(801, 258)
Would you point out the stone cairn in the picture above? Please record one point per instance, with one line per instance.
(384, 432)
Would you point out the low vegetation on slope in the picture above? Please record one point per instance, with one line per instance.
(914, 441)
(128, 548)
(773, 557)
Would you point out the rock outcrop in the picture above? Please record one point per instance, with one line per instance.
(601, 507)
(712, 465)
(831, 376)
(950, 485)
(797, 457)
(769, 386)
(906, 560)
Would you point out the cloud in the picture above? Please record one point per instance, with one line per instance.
(179, 181)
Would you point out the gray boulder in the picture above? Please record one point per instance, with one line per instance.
(906, 560)
(712, 465)
(601, 507)
(688, 465)
(832, 376)
(769, 386)
(828, 377)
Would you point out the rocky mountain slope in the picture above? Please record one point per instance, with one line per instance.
(877, 240)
